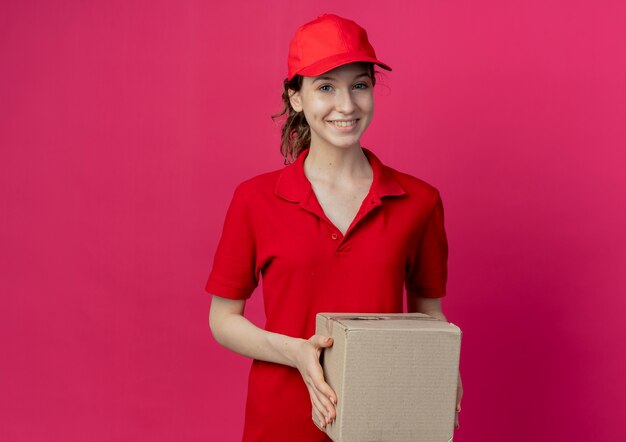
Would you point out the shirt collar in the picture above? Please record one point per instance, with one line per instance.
(294, 186)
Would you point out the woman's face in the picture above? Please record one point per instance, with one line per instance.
(338, 105)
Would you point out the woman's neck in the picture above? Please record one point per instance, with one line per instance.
(336, 164)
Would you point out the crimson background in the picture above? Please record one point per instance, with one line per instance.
(125, 125)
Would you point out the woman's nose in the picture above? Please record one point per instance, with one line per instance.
(345, 102)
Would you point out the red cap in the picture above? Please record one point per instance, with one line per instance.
(327, 42)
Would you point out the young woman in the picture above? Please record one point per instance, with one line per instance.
(334, 231)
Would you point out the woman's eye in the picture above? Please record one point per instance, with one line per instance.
(328, 87)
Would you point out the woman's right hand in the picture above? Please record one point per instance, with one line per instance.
(232, 330)
(323, 398)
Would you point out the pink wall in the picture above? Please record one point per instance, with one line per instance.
(124, 129)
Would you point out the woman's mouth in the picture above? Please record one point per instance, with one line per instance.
(348, 123)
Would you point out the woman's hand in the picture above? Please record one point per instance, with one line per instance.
(459, 395)
(232, 330)
(323, 398)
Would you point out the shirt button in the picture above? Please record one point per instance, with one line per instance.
(334, 236)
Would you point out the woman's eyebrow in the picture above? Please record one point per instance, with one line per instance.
(333, 78)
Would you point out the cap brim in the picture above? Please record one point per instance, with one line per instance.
(329, 63)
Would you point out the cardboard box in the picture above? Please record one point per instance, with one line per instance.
(395, 376)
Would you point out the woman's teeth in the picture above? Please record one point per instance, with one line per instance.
(344, 123)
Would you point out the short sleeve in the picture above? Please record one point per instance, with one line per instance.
(428, 275)
(234, 273)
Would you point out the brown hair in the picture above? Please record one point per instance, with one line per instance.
(295, 132)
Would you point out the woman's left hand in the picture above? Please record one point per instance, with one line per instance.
(459, 395)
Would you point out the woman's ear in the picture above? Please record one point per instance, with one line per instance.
(296, 100)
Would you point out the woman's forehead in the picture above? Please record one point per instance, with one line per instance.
(349, 70)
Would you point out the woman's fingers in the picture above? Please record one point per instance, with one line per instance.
(321, 391)
(328, 394)
(323, 398)
(329, 408)
(327, 341)
(321, 341)
(318, 409)
(325, 393)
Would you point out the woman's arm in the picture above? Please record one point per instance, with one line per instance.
(232, 330)
(429, 306)
(432, 307)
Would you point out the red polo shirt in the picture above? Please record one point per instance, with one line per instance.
(276, 232)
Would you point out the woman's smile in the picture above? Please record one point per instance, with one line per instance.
(343, 125)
